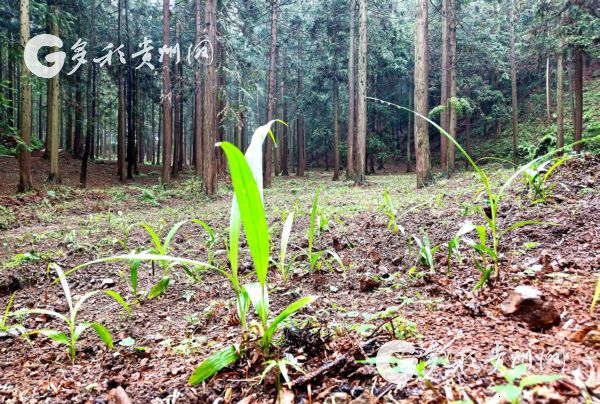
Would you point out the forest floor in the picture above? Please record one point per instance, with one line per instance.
(456, 332)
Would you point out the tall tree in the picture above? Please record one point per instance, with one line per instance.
(166, 100)
(421, 97)
(452, 117)
(197, 98)
(53, 105)
(560, 119)
(271, 93)
(361, 124)
(350, 172)
(25, 180)
(300, 107)
(91, 101)
(177, 90)
(284, 116)
(210, 104)
(121, 109)
(578, 90)
(513, 79)
(445, 86)
(336, 128)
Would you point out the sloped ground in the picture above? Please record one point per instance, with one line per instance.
(437, 312)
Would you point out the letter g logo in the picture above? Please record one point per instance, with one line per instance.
(30, 54)
(404, 367)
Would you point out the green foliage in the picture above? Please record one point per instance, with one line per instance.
(214, 363)
(74, 330)
(4, 326)
(388, 208)
(512, 391)
(281, 365)
(426, 252)
(536, 178)
(285, 268)
(316, 258)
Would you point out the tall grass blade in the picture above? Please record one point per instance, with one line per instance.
(214, 364)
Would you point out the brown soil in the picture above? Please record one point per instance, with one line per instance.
(466, 328)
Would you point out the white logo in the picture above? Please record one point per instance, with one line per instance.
(404, 365)
(30, 54)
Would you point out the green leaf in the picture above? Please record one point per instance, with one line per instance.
(251, 208)
(214, 364)
(526, 223)
(63, 282)
(206, 227)
(155, 238)
(80, 329)
(40, 311)
(516, 372)
(509, 391)
(159, 288)
(133, 274)
(171, 234)
(532, 380)
(142, 257)
(57, 336)
(291, 309)
(259, 297)
(103, 333)
(127, 342)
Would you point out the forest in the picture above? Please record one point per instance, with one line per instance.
(300, 201)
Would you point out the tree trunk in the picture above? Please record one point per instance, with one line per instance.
(548, 94)
(445, 90)
(139, 124)
(560, 119)
(25, 180)
(361, 137)
(177, 141)
(300, 113)
(210, 107)
(89, 139)
(422, 152)
(410, 130)
(131, 94)
(452, 124)
(578, 89)
(284, 146)
(336, 129)
(166, 101)
(350, 163)
(53, 107)
(271, 107)
(197, 99)
(513, 78)
(121, 111)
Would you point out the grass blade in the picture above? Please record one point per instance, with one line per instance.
(214, 364)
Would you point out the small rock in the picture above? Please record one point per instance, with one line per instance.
(48, 357)
(531, 306)
(108, 282)
(368, 284)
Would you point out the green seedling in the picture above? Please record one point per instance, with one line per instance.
(512, 391)
(388, 208)
(537, 179)
(212, 240)
(74, 330)
(281, 366)
(494, 195)
(596, 297)
(283, 266)
(4, 326)
(426, 252)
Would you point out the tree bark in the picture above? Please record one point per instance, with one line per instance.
(90, 102)
(452, 118)
(25, 179)
(361, 137)
(300, 113)
(166, 101)
(53, 106)
(445, 90)
(468, 135)
(284, 146)
(548, 93)
(121, 110)
(513, 78)
(578, 89)
(409, 132)
(210, 107)
(271, 106)
(177, 141)
(198, 99)
(422, 152)
(336, 129)
(560, 119)
(350, 163)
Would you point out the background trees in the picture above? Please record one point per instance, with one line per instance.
(299, 60)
